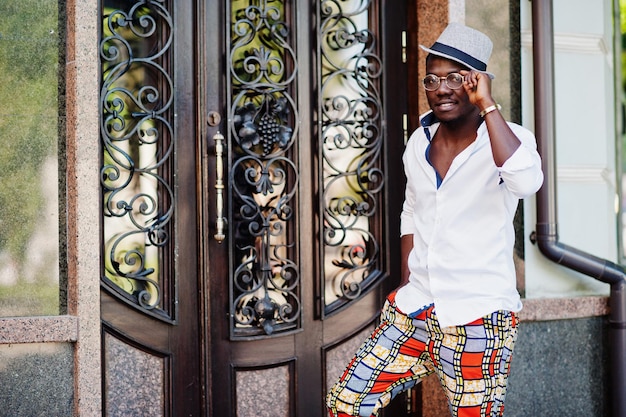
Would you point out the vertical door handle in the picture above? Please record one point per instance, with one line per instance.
(220, 223)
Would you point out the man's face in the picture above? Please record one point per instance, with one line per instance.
(447, 104)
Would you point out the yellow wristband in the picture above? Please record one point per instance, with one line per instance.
(490, 109)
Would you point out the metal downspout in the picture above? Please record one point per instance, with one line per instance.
(547, 233)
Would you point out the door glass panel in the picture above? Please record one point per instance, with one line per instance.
(263, 170)
(137, 141)
(351, 143)
(30, 51)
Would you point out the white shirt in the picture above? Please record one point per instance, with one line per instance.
(463, 235)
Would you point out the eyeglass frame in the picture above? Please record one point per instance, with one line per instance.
(442, 78)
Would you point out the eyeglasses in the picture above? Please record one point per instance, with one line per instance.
(431, 82)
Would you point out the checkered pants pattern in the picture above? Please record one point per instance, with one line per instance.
(471, 361)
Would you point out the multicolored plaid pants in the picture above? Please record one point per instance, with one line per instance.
(472, 362)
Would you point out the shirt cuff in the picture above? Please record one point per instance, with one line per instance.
(519, 161)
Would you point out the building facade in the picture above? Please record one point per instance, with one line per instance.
(201, 202)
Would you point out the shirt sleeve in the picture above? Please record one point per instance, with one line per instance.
(407, 223)
(521, 173)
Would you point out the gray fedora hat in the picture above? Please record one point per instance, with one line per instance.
(464, 45)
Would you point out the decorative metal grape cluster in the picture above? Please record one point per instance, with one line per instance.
(268, 130)
(265, 124)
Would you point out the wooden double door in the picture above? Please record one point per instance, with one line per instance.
(252, 183)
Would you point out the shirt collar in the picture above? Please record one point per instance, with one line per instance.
(428, 119)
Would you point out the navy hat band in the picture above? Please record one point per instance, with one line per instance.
(460, 55)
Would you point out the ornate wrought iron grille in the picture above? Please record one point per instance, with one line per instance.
(263, 173)
(137, 140)
(351, 143)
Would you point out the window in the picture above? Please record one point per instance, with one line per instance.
(621, 143)
(30, 47)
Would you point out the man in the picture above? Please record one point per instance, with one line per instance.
(454, 312)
